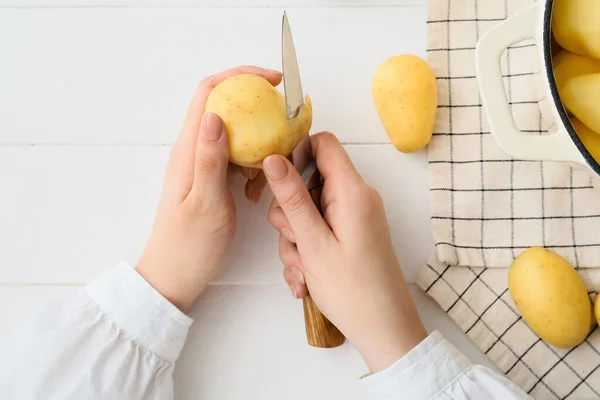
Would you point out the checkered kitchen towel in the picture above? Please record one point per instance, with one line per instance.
(487, 208)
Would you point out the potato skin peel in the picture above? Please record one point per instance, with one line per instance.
(254, 113)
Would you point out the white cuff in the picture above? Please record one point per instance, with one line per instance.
(141, 311)
(423, 372)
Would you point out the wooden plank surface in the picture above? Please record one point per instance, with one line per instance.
(207, 3)
(69, 212)
(125, 75)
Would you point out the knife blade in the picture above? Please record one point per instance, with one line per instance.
(292, 84)
(302, 156)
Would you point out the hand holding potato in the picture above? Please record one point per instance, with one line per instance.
(256, 119)
(195, 220)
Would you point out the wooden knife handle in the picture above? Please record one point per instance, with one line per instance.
(320, 332)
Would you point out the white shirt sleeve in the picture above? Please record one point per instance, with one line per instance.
(436, 370)
(116, 338)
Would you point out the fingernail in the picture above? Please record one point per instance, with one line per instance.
(273, 71)
(294, 293)
(288, 234)
(299, 276)
(211, 127)
(274, 168)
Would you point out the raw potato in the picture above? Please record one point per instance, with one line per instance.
(590, 139)
(597, 309)
(569, 65)
(554, 46)
(255, 115)
(576, 26)
(593, 318)
(405, 96)
(581, 95)
(551, 297)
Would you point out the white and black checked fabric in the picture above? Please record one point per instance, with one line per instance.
(487, 208)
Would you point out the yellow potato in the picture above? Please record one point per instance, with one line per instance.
(255, 115)
(569, 65)
(590, 139)
(597, 309)
(405, 96)
(593, 318)
(554, 46)
(576, 26)
(581, 95)
(551, 297)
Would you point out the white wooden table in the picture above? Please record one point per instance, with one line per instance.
(92, 94)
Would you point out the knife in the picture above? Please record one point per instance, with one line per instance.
(320, 332)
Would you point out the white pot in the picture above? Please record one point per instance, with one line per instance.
(564, 145)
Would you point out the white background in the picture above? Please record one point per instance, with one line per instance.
(93, 93)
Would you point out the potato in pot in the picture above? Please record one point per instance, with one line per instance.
(589, 138)
(576, 26)
(581, 96)
(569, 65)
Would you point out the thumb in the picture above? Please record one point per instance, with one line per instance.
(212, 159)
(307, 225)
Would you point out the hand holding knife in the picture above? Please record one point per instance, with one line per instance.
(320, 331)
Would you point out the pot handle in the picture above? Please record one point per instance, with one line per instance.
(556, 147)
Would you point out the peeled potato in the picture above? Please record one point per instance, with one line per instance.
(589, 138)
(405, 96)
(576, 26)
(255, 115)
(569, 65)
(551, 297)
(581, 95)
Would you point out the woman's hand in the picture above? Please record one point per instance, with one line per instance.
(346, 258)
(195, 220)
